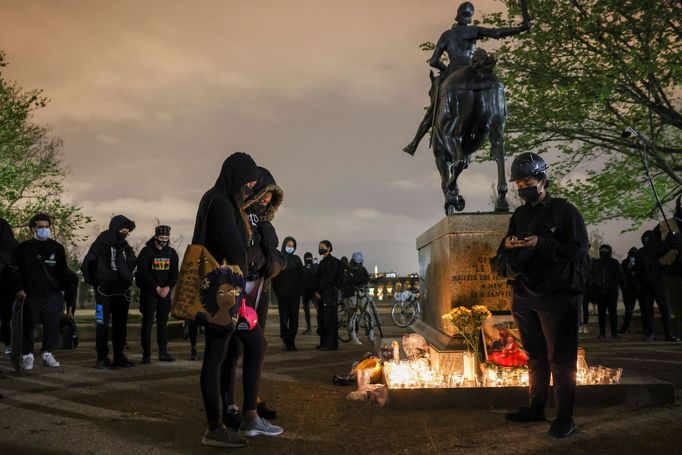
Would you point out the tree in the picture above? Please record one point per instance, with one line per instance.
(587, 69)
(31, 167)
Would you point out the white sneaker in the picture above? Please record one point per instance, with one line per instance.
(8, 349)
(581, 329)
(260, 427)
(49, 360)
(585, 330)
(27, 362)
(356, 341)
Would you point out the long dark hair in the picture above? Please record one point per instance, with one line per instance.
(216, 278)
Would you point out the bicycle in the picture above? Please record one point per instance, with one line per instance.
(406, 308)
(362, 315)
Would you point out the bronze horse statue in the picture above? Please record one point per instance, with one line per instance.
(470, 107)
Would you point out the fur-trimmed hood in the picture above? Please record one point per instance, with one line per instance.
(266, 182)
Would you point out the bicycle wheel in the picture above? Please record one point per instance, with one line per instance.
(345, 319)
(403, 314)
(375, 316)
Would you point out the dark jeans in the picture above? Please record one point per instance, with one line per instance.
(306, 311)
(586, 310)
(213, 370)
(288, 318)
(151, 306)
(114, 309)
(549, 331)
(608, 303)
(647, 297)
(45, 311)
(629, 301)
(193, 330)
(329, 320)
(672, 286)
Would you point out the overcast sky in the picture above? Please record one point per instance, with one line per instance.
(151, 96)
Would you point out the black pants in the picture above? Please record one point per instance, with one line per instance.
(549, 331)
(213, 370)
(586, 309)
(306, 310)
(113, 309)
(6, 317)
(648, 295)
(151, 306)
(629, 301)
(45, 311)
(608, 302)
(288, 318)
(193, 330)
(329, 320)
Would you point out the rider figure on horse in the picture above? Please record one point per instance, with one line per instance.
(460, 44)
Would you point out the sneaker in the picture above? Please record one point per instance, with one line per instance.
(193, 354)
(222, 437)
(122, 362)
(27, 362)
(263, 411)
(49, 360)
(648, 338)
(585, 331)
(260, 427)
(562, 427)
(166, 357)
(104, 364)
(232, 419)
(307, 331)
(672, 338)
(8, 349)
(525, 414)
(581, 329)
(356, 341)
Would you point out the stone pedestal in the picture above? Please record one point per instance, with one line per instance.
(454, 270)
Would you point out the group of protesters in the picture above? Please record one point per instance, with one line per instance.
(649, 274)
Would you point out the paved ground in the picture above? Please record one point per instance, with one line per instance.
(157, 409)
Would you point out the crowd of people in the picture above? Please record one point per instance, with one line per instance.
(234, 224)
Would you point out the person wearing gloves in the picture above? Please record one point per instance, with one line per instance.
(288, 287)
(157, 273)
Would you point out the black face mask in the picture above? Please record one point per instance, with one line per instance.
(530, 194)
(120, 236)
(162, 244)
(308, 262)
(604, 254)
(323, 251)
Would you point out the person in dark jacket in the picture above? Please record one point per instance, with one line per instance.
(225, 231)
(309, 274)
(648, 272)
(288, 287)
(8, 246)
(329, 280)
(108, 267)
(356, 278)
(548, 245)
(41, 280)
(265, 263)
(157, 273)
(631, 290)
(668, 235)
(606, 276)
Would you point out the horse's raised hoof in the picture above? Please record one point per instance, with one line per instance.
(459, 205)
(409, 149)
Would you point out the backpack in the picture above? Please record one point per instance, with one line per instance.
(580, 270)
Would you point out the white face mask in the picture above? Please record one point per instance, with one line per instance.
(43, 233)
(290, 249)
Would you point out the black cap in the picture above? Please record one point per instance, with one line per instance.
(162, 229)
(528, 164)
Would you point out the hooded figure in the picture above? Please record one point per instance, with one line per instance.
(631, 290)
(669, 237)
(108, 267)
(606, 276)
(288, 287)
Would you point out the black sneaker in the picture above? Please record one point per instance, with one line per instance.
(525, 414)
(146, 359)
(123, 362)
(104, 364)
(265, 412)
(193, 355)
(232, 418)
(562, 427)
(648, 338)
(166, 357)
(307, 331)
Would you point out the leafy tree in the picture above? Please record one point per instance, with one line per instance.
(31, 167)
(587, 69)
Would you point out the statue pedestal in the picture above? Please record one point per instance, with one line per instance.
(454, 270)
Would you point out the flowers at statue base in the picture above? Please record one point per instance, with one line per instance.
(467, 323)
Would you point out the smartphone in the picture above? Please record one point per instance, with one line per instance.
(524, 235)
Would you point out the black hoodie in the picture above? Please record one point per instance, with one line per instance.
(219, 224)
(606, 275)
(289, 283)
(156, 267)
(110, 262)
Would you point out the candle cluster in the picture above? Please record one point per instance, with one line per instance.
(418, 374)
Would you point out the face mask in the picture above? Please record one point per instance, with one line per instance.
(162, 244)
(530, 194)
(604, 254)
(289, 249)
(308, 262)
(121, 235)
(322, 251)
(43, 233)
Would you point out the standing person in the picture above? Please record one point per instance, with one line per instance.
(157, 274)
(606, 276)
(309, 273)
(670, 236)
(648, 271)
(41, 280)
(222, 227)
(8, 246)
(631, 289)
(329, 279)
(355, 281)
(265, 262)
(548, 246)
(108, 268)
(288, 287)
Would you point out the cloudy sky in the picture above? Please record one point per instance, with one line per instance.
(150, 97)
